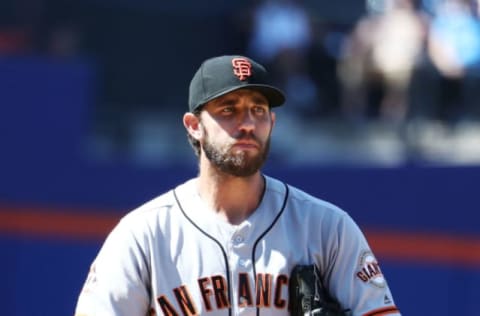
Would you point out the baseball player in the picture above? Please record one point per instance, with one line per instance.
(225, 242)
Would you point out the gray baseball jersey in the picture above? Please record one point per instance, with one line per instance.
(174, 256)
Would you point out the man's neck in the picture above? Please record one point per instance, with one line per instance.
(233, 198)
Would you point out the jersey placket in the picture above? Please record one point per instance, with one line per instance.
(242, 281)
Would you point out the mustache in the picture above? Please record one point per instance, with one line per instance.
(242, 135)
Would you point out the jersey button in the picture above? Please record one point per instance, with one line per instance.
(238, 239)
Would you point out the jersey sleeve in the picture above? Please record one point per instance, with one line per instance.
(118, 277)
(355, 277)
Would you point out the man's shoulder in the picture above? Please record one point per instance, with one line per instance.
(305, 200)
(158, 205)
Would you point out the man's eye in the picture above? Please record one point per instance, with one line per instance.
(259, 110)
(227, 109)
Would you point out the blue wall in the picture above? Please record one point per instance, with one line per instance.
(44, 123)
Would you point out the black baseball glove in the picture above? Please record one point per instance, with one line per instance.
(308, 296)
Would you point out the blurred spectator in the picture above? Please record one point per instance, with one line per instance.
(454, 39)
(14, 41)
(454, 52)
(19, 23)
(280, 38)
(378, 59)
(323, 57)
(40, 27)
(291, 69)
(64, 41)
(279, 25)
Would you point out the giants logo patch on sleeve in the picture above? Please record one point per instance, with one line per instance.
(369, 270)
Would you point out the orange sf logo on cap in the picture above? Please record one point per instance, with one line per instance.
(242, 68)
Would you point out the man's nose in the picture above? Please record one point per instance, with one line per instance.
(247, 121)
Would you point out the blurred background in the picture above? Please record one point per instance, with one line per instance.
(382, 118)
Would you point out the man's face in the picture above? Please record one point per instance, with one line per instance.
(236, 132)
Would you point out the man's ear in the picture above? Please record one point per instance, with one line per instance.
(192, 124)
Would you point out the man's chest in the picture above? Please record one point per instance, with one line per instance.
(234, 274)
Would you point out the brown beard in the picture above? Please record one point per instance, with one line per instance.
(239, 164)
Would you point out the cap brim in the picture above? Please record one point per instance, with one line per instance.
(274, 95)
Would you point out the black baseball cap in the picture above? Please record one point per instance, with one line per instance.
(220, 75)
